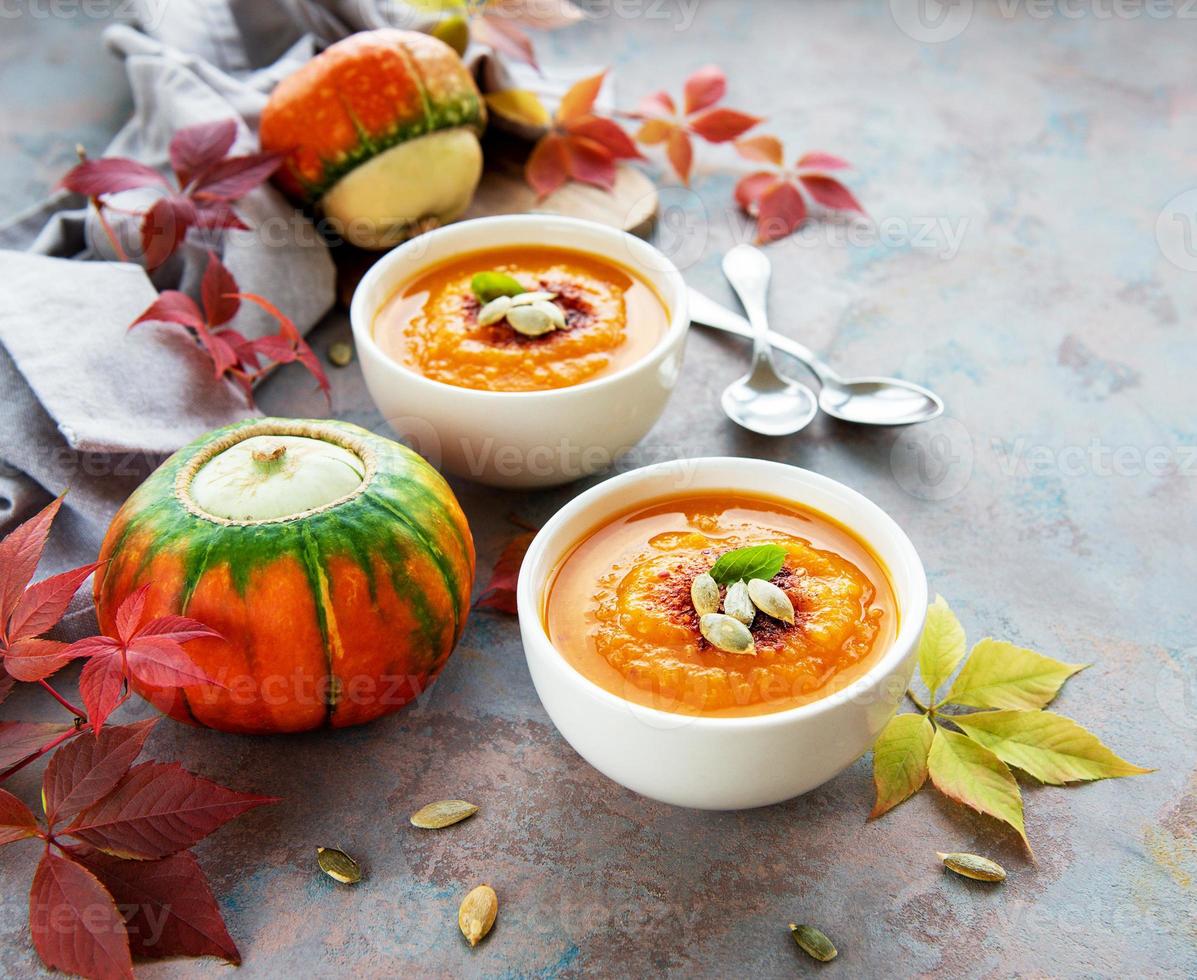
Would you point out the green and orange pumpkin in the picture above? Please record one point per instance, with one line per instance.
(380, 132)
(335, 563)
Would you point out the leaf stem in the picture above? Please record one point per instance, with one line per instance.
(917, 703)
(77, 729)
(77, 712)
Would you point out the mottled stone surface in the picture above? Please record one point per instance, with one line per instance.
(1054, 507)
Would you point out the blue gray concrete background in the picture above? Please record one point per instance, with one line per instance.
(1031, 171)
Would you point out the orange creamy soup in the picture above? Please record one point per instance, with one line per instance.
(619, 607)
(611, 319)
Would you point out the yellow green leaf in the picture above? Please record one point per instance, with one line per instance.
(1050, 747)
(437, 6)
(941, 646)
(969, 773)
(519, 105)
(1001, 675)
(900, 760)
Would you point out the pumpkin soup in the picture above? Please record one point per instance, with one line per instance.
(721, 605)
(528, 318)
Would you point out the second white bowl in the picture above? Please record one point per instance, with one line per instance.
(522, 438)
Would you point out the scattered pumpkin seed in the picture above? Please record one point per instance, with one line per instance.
(494, 311)
(532, 296)
(529, 321)
(340, 353)
(814, 943)
(737, 603)
(771, 600)
(973, 866)
(726, 633)
(704, 593)
(443, 813)
(338, 865)
(477, 913)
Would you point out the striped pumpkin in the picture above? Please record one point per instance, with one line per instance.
(336, 565)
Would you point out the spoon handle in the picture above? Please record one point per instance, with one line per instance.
(708, 313)
(748, 271)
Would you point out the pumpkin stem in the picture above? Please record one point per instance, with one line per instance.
(269, 460)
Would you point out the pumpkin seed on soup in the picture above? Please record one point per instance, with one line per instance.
(529, 321)
(771, 600)
(532, 296)
(726, 634)
(738, 604)
(443, 813)
(704, 594)
(814, 943)
(494, 311)
(973, 866)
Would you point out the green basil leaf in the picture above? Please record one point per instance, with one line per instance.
(756, 561)
(492, 285)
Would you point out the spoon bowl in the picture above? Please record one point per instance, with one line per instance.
(764, 401)
(879, 401)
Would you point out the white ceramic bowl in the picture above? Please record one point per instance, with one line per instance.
(533, 438)
(721, 763)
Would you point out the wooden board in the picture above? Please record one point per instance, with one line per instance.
(630, 205)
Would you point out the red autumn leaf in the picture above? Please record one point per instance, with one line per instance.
(198, 147)
(218, 291)
(606, 132)
(6, 683)
(110, 175)
(130, 612)
(158, 809)
(36, 659)
(174, 912)
(781, 210)
(102, 687)
(680, 151)
(172, 306)
(45, 603)
(590, 163)
(579, 99)
(654, 131)
(500, 590)
(656, 105)
(217, 214)
(21, 739)
(287, 329)
(75, 923)
(234, 177)
(720, 125)
(818, 160)
(704, 88)
(547, 168)
(86, 769)
(17, 821)
(163, 226)
(750, 189)
(762, 149)
(831, 193)
(20, 552)
(505, 38)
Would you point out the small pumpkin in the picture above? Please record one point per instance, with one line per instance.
(380, 131)
(336, 565)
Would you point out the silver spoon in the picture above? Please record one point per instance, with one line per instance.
(868, 401)
(764, 400)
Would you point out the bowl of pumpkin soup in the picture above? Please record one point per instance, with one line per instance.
(521, 350)
(721, 633)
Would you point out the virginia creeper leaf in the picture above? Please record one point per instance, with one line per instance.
(110, 175)
(762, 149)
(234, 177)
(704, 88)
(780, 211)
(102, 685)
(218, 290)
(547, 168)
(20, 739)
(174, 911)
(941, 646)
(158, 809)
(36, 659)
(1050, 747)
(818, 160)
(75, 923)
(969, 773)
(755, 561)
(499, 593)
(721, 124)
(20, 551)
(590, 162)
(579, 99)
(680, 152)
(44, 604)
(17, 821)
(195, 148)
(900, 760)
(1000, 675)
(607, 133)
(88, 768)
(7, 682)
(831, 193)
